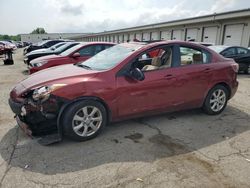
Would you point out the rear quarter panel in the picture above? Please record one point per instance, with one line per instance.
(223, 73)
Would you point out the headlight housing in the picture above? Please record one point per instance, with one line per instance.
(42, 93)
(39, 64)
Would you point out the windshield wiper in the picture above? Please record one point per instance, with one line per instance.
(84, 66)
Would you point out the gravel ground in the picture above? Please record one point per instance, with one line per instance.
(184, 149)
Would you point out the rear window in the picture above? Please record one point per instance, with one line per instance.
(190, 56)
(242, 51)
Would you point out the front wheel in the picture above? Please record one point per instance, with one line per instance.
(84, 120)
(216, 100)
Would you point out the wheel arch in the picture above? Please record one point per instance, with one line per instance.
(66, 105)
(226, 85)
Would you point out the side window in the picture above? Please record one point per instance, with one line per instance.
(87, 51)
(159, 58)
(107, 46)
(98, 48)
(51, 43)
(191, 56)
(229, 52)
(242, 51)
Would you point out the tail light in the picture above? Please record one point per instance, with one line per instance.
(235, 67)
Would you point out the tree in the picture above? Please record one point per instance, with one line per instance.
(39, 30)
(6, 37)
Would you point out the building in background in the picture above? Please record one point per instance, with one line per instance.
(39, 37)
(227, 28)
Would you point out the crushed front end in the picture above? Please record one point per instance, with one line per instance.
(36, 110)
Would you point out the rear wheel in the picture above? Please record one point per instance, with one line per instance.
(84, 120)
(216, 100)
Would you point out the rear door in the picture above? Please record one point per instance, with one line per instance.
(229, 52)
(194, 73)
(243, 58)
(243, 54)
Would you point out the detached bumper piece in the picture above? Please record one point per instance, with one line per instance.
(50, 139)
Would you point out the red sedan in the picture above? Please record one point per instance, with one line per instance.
(125, 81)
(78, 53)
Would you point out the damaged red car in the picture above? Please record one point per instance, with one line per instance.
(125, 81)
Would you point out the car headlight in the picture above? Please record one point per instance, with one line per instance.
(39, 64)
(43, 93)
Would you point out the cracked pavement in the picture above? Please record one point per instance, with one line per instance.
(181, 149)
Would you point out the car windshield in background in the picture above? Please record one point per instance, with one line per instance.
(109, 58)
(69, 51)
(218, 49)
(54, 47)
(40, 43)
(67, 45)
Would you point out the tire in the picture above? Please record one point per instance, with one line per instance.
(216, 100)
(80, 124)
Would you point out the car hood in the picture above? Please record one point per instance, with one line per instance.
(39, 51)
(47, 58)
(65, 74)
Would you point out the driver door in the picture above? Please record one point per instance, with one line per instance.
(156, 92)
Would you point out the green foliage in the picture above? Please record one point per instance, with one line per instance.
(38, 30)
(10, 37)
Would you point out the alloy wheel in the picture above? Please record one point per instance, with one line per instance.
(218, 100)
(87, 121)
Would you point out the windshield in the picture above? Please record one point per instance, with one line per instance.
(57, 45)
(65, 47)
(110, 57)
(218, 49)
(70, 50)
(40, 43)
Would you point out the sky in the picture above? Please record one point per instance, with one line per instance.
(88, 16)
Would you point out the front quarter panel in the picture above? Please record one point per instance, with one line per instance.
(101, 86)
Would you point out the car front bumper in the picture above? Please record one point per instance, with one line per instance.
(33, 69)
(26, 61)
(37, 119)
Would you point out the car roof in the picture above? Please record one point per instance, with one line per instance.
(98, 43)
(178, 42)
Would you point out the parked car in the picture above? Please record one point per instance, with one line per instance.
(79, 100)
(241, 55)
(56, 49)
(26, 44)
(19, 44)
(8, 45)
(42, 44)
(1, 49)
(75, 54)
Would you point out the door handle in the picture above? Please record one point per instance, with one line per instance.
(207, 70)
(169, 76)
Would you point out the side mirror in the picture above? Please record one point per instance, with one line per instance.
(137, 74)
(76, 55)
